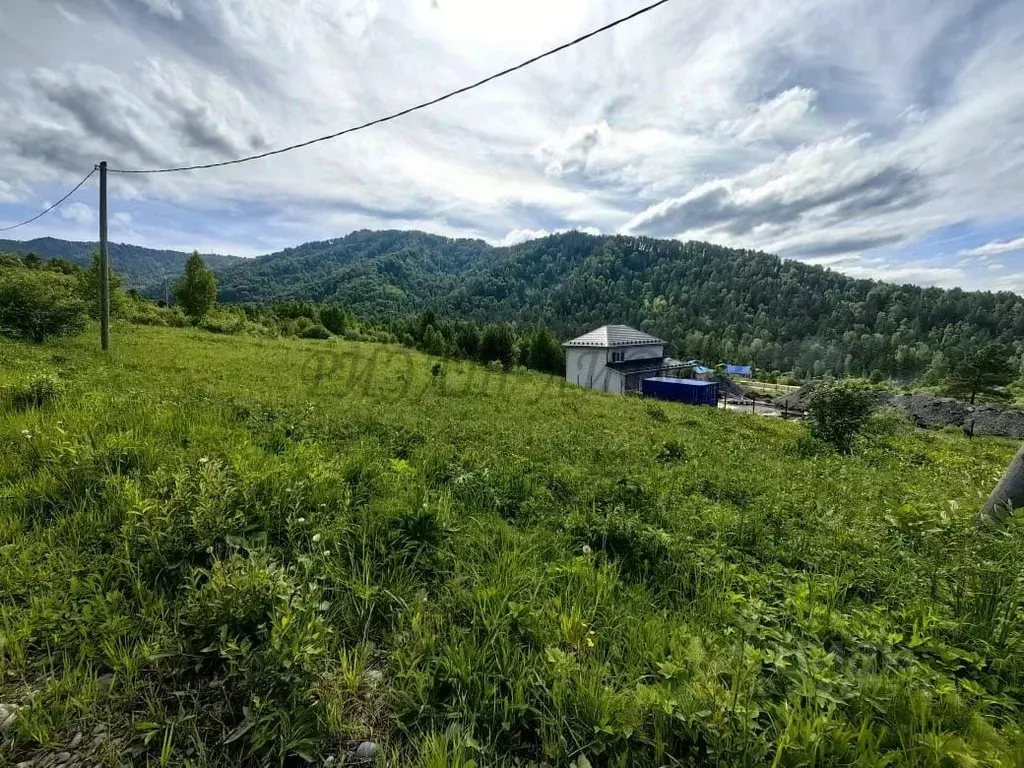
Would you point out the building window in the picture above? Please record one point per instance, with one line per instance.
(618, 357)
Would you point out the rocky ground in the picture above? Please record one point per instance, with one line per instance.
(935, 412)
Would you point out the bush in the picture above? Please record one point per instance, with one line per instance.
(36, 392)
(219, 325)
(315, 332)
(40, 304)
(890, 421)
(837, 412)
(89, 290)
(657, 413)
(671, 452)
(147, 318)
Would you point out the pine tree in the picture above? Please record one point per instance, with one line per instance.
(981, 372)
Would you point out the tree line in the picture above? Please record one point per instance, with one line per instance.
(711, 303)
(40, 299)
(43, 298)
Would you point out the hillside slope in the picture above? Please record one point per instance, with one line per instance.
(719, 303)
(378, 275)
(711, 302)
(223, 551)
(141, 268)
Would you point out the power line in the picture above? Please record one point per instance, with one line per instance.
(40, 215)
(404, 112)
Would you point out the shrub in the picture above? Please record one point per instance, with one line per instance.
(40, 304)
(657, 413)
(237, 599)
(89, 289)
(147, 318)
(671, 452)
(36, 392)
(315, 332)
(890, 421)
(837, 412)
(219, 325)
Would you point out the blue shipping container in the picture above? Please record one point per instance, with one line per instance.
(690, 391)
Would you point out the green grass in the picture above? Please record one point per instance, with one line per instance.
(226, 549)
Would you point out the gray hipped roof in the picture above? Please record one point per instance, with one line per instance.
(613, 336)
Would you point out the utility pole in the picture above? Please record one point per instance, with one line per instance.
(104, 263)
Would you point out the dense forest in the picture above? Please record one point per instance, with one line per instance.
(723, 304)
(714, 303)
(378, 275)
(710, 302)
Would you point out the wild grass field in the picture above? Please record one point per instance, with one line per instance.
(226, 550)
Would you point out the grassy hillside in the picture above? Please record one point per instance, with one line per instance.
(216, 550)
(141, 268)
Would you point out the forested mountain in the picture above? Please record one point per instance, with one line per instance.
(720, 304)
(377, 275)
(708, 301)
(142, 268)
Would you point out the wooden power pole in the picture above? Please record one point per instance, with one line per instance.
(104, 263)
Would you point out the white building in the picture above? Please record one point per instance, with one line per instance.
(615, 358)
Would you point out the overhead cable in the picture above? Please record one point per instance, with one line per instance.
(395, 115)
(40, 215)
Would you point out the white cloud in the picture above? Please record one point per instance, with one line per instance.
(772, 117)
(995, 248)
(915, 273)
(166, 8)
(80, 213)
(122, 218)
(517, 236)
(792, 126)
(832, 261)
(12, 193)
(815, 187)
(73, 18)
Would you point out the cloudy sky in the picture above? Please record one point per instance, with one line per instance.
(882, 139)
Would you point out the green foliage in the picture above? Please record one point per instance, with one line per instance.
(497, 342)
(335, 319)
(837, 412)
(38, 304)
(671, 451)
(315, 332)
(35, 391)
(712, 303)
(544, 352)
(89, 287)
(981, 371)
(215, 558)
(196, 290)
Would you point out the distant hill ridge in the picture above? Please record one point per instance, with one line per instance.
(710, 302)
(140, 267)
